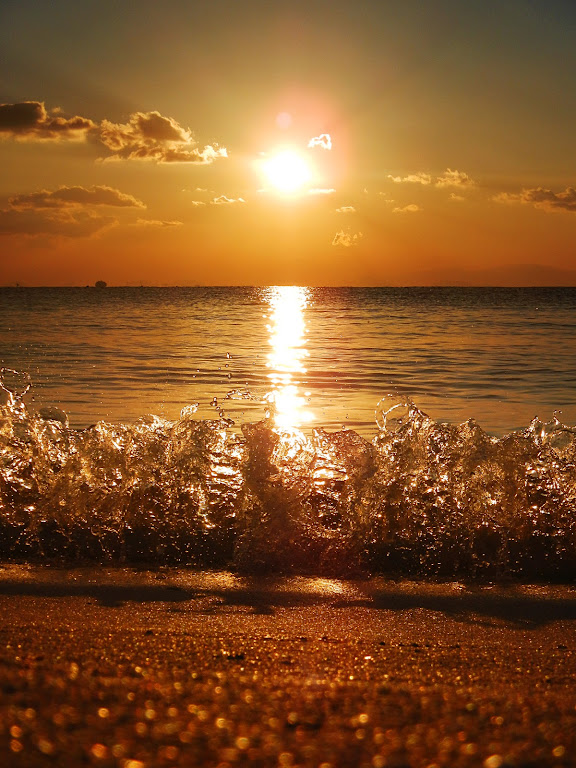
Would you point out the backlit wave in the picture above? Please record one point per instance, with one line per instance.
(421, 498)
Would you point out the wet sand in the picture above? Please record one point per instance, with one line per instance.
(118, 667)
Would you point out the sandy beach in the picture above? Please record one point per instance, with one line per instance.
(135, 668)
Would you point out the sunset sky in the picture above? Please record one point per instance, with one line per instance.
(322, 142)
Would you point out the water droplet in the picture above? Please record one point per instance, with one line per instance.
(51, 413)
(16, 383)
(393, 412)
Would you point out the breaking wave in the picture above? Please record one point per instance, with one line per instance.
(422, 498)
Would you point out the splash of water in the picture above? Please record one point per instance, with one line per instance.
(422, 498)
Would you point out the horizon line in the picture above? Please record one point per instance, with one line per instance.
(275, 285)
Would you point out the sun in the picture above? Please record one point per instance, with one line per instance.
(287, 171)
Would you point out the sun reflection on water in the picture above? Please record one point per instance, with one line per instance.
(287, 331)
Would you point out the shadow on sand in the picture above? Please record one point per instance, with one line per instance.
(528, 606)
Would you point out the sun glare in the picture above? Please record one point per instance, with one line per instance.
(287, 171)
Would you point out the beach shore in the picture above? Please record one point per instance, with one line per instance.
(169, 667)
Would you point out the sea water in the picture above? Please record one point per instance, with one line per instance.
(418, 430)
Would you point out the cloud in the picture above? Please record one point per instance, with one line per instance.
(454, 179)
(455, 197)
(200, 156)
(156, 223)
(449, 178)
(197, 203)
(65, 197)
(224, 200)
(507, 197)
(320, 191)
(542, 198)
(30, 120)
(64, 212)
(346, 239)
(324, 141)
(346, 209)
(146, 135)
(412, 208)
(143, 128)
(152, 136)
(412, 178)
(52, 223)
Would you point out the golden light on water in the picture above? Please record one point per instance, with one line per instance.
(286, 360)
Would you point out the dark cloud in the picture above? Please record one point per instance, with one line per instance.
(153, 125)
(542, 198)
(146, 135)
(152, 136)
(65, 197)
(553, 201)
(142, 130)
(30, 120)
(53, 223)
(63, 212)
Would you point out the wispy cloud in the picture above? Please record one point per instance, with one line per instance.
(347, 239)
(65, 197)
(29, 120)
(412, 208)
(412, 178)
(321, 191)
(155, 223)
(450, 178)
(454, 179)
(542, 198)
(346, 209)
(324, 141)
(225, 200)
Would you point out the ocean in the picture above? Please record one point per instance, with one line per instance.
(421, 431)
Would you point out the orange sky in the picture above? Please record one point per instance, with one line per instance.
(436, 141)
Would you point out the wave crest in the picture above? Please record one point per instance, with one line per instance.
(422, 498)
